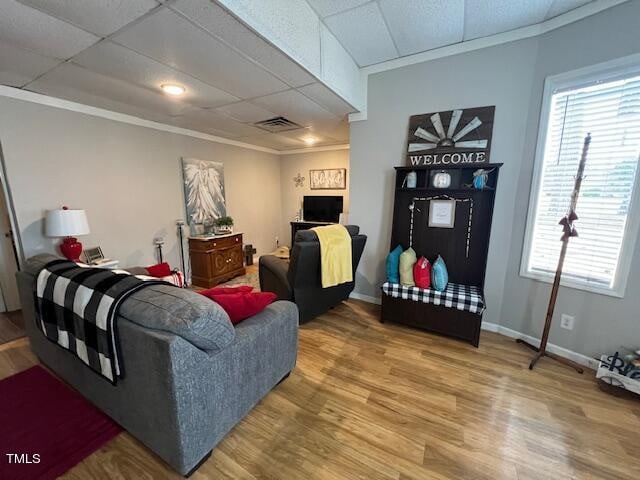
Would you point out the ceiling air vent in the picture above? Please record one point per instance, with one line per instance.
(277, 124)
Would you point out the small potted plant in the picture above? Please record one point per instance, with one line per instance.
(223, 225)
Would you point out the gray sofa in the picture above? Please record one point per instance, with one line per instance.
(190, 376)
(299, 280)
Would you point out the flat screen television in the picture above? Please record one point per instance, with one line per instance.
(320, 208)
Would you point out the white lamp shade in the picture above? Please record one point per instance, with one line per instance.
(66, 223)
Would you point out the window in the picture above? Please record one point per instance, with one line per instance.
(605, 103)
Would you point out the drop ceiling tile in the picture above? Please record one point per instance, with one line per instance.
(18, 67)
(275, 141)
(363, 33)
(324, 97)
(420, 26)
(487, 17)
(215, 123)
(291, 25)
(78, 84)
(33, 30)
(294, 106)
(337, 129)
(171, 39)
(246, 112)
(324, 8)
(114, 60)
(97, 16)
(319, 138)
(563, 6)
(221, 24)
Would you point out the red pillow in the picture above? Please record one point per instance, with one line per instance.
(244, 305)
(160, 270)
(225, 290)
(422, 273)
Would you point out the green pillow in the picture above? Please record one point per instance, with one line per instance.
(407, 261)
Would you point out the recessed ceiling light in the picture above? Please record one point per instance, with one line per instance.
(310, 140)
(173, 89)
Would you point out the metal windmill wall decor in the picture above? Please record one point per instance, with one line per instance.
(451, 137)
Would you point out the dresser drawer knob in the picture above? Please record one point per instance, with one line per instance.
(214, 244)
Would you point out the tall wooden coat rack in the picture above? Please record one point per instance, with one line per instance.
(568, 232)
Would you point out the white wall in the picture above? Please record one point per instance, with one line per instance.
(511, 77)
(290, 166)
(127, 178)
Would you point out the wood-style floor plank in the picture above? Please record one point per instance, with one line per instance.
(380, 401)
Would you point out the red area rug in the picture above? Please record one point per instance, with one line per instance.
(46, 427)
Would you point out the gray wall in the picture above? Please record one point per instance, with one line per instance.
(511, 77)
(603, 323)
(127, 178)
(290, 166)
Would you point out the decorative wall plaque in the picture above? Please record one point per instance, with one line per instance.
(451, 137)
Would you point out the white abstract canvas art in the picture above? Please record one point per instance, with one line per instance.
(203, 190)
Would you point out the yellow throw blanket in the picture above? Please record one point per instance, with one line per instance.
(335, 255)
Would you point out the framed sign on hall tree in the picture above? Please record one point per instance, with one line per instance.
(451, 137)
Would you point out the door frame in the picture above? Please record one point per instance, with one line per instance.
(8, 196)
(17, 253)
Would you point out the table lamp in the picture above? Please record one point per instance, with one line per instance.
(67, 223)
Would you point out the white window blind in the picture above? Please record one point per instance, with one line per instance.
(610, 111)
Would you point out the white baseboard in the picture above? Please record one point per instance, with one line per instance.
(558, 350)
(507, 332)
(365, 298)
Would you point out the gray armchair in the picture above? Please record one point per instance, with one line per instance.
(299, 280)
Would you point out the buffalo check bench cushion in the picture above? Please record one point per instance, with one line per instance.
(461, 297)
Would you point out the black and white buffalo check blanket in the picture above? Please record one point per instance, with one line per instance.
(76, 306)
(461, 297)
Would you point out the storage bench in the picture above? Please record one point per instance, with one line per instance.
(455, 312)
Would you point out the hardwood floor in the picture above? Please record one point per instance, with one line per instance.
(377, 401)
(11, 326)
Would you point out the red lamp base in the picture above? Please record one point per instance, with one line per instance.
(71, 248)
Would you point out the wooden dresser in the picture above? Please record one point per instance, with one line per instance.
(215, 259)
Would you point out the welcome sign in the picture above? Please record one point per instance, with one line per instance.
(452, 137)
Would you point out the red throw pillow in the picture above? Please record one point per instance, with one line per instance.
(244, 305)
(225, 290)
(422, 273)
(160, 270)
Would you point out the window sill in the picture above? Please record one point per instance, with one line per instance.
(616, 293)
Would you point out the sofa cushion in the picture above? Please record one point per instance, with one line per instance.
(240, 306)
(181, 312)
(209, 293)
(163, 307)
(311, 236)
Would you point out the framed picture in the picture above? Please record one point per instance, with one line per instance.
(442, 213)
(93, 255)
(328, 179)
(204, 193)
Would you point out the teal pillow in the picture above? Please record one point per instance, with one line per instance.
(439, 275)
(393, 265)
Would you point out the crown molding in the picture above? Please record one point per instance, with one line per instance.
(27, 96)
(325, 148)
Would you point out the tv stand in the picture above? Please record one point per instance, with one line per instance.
(295, 226)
